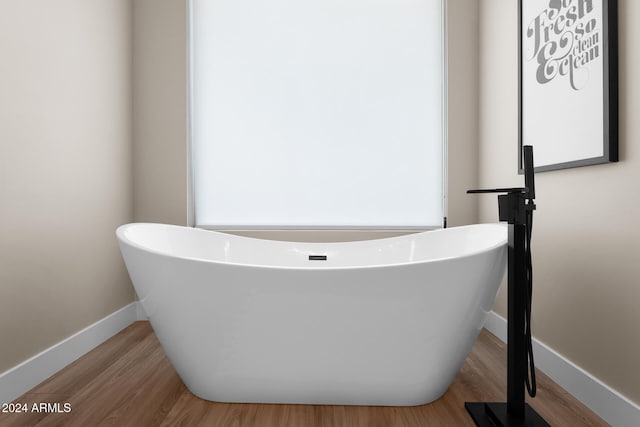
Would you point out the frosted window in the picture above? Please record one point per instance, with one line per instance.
(317, 113)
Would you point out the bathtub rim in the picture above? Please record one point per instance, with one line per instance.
(122, 239)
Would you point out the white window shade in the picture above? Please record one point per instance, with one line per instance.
(317, 113)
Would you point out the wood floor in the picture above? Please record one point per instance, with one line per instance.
(128, 381)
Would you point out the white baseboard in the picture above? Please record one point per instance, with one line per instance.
(610, 405)
(23, 377)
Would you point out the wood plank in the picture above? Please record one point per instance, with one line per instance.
(85, 369)
(128, 381)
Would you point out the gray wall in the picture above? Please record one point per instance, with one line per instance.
(65, 168)
(160, 110)
(586, 244)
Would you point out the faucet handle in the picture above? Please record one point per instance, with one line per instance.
(514, 190)
(529, 171)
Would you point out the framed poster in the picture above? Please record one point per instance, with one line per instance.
(568, 82)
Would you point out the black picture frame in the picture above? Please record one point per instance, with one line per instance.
(567, 62)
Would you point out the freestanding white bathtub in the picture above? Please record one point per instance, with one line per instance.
(379, 322)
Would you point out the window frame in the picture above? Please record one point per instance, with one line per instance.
(191, 199)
